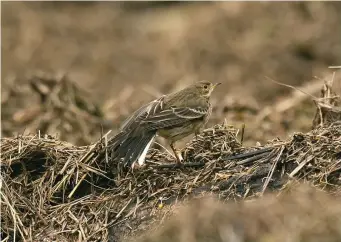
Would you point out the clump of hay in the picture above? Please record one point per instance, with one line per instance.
(328, 106)
(55, 191)
(303, 214)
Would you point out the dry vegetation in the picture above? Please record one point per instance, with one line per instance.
(58, 191)
(68, 80)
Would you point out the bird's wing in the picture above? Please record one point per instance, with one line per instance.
(143, 112)
(154, 115)
(173, 116)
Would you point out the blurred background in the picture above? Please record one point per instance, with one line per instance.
(77, 69)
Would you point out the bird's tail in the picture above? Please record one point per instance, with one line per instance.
(131, 147)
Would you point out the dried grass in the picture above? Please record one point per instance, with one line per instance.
(51, 188)
(54, 191)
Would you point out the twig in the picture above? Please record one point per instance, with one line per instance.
(300, 166)
(77, 185)
(252, 159)
(248, 154)
(122, 210)
(334, 67)
(296, 97)
(242, 135)
(295, 88)
(272, 170)
(191, 164)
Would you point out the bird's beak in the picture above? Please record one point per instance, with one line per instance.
(217, 84)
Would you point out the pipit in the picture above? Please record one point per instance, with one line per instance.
(173, 116)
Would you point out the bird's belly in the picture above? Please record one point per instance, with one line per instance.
(180, 132)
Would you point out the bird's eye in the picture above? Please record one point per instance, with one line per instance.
(205, 86)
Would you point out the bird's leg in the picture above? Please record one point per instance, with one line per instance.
(177, 155)
(196, 135)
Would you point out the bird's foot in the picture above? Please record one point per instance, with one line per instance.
(179, 158)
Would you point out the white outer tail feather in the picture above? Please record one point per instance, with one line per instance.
(142, 157)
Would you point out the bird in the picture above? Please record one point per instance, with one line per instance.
(173, 116)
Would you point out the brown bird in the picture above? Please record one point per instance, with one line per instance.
(173, 116)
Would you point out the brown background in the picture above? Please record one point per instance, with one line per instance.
(136, 51)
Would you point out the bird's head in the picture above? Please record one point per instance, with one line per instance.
(205, 88)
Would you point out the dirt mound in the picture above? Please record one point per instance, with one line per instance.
(57, 191)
